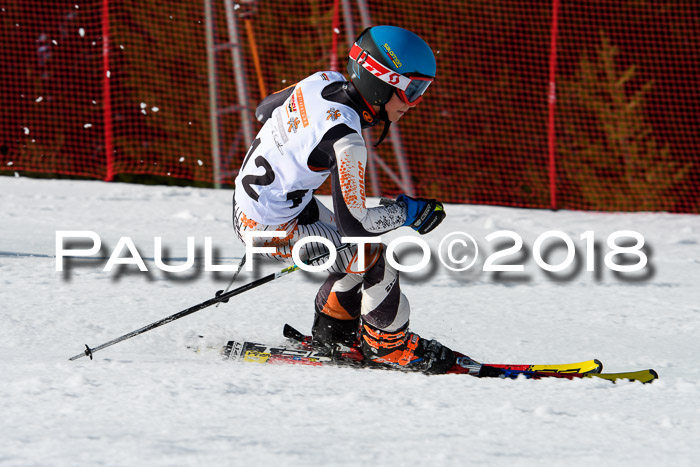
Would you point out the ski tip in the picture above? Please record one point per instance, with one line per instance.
(642, 376)
(600, 366)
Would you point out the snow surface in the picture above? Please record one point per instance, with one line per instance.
(151, 401)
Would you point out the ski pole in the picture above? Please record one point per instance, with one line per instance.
(233, 279)
(220, 296)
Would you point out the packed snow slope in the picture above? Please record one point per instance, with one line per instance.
(151, 401)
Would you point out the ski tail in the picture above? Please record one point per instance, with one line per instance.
(290, 333)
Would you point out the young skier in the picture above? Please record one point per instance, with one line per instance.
(313, 130)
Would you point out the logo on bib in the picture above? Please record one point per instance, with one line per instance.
(293, 124)
(292, 106)
(333, 114)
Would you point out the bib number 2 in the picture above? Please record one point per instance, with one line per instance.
(261, 180)
(266, 178)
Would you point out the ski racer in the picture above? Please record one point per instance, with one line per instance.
(313, 130)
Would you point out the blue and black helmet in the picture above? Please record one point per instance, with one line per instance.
(385, 59)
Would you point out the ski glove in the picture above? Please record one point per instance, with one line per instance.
(423, 215)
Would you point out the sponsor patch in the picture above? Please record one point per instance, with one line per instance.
(333, 114)
(302, 108)
(293, 125)
(280, 127)
(292, 106)
(256, 357)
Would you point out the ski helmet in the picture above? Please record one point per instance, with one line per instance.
(385, 59)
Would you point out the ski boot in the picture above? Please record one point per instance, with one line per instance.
(404, 350)
(339, 338)
(328, 331)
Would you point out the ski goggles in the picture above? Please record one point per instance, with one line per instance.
(409, 88)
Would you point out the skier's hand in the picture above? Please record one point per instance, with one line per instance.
(423, 215)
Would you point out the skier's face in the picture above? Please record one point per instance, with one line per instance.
(396, 108)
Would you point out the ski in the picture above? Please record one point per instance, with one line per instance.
(254, 352)
(303, 352)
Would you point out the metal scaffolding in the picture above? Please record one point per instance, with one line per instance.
(243, 107)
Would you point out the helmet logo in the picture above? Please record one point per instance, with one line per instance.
(366, 115)
(392, 56)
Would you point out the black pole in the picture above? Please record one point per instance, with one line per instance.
(220, 297)
(233, 279)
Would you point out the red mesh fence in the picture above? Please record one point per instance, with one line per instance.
(51, 95)
(577, 105)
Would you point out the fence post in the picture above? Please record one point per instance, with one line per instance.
(106, 95)
(551, 103)
(334, 36)
(213, 94)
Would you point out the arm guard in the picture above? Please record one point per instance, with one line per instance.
(348, 178)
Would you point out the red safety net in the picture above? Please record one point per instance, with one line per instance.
(557, 104)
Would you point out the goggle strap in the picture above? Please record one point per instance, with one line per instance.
(362, 58)
(369, 63)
